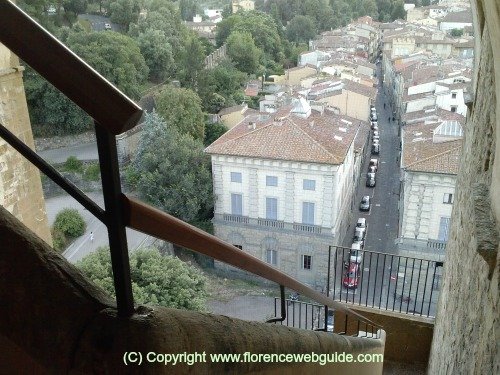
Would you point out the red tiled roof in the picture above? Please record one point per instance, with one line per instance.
(421, 154)
(316, 139)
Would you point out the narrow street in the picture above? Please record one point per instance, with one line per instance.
(379, 273)
(383, 217)
(84, 245)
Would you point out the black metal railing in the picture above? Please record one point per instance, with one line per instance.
(113, 114)
(386, 281)
(313, 316)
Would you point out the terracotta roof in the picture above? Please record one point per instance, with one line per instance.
(320, 138)
(421, 154)
(465, 43)
(336, 87)
(436, 114)
(359, 88)
(459, 17)
(408, 98)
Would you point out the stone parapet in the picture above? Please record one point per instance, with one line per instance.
(59, 321)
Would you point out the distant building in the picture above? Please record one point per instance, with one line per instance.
(456, 20)
(284, 187)
(244, 5)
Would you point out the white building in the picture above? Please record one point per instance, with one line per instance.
(456, 20)
(431, 156)
(284, 187)
(439, 87)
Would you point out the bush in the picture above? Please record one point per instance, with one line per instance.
(92, 172)
(72, 164)
(70, 223)
(59, 240)
(156, 279)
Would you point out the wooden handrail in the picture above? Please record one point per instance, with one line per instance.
(66, 71)
(154, 222)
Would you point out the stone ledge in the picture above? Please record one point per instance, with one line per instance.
(59, 319)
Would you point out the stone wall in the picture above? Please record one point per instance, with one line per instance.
(20, 185)
(68, 325)
(467, 331)
(290, 247)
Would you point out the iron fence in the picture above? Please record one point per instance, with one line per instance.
(316, 317)
(386, 281)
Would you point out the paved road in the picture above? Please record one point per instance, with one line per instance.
(383, 216)
(98, 22)
(377, 282)
(86, 151)
(84, 245)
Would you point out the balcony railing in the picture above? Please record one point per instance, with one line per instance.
(236, 218)
(278, 224)
(114, 113)
(307, 228)
(271, 223)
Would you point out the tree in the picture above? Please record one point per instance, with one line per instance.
(163, 16)
(242, 51)
(172, 172)
(181, 109)
(398, 10)
(70, 223)
(117, 57)
(51, 112)
(156, 279)
(260, 25)
(188, 9)
(213, 132)
(224, 81)
(124, 12)
(157, 53)
(192, 60)
(300, 29)
(75, 6)
(457, 32)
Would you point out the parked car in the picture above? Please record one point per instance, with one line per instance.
(361, 223)
(376, 133)
(370, 180)
(376, 148)
(359, 237)
(371, 169)
(374, 126)
(376, 138)
(365, 203)
(374, 162)
(351, 276)
(373, 116)
(107, 26)
(355, 254)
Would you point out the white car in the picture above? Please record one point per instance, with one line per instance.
(107, 26)
(355, 255)
(361, 223)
